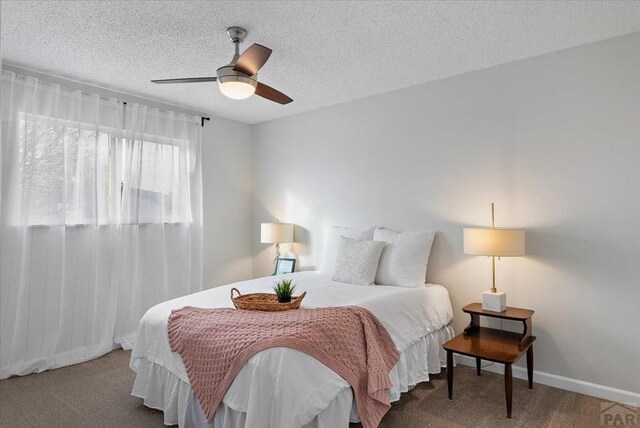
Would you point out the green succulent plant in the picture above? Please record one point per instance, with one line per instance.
(284, 290)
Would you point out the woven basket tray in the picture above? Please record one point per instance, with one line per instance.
(264, 301)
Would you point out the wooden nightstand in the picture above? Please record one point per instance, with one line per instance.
(499, 346)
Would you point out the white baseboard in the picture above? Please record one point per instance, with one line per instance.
(561, 382)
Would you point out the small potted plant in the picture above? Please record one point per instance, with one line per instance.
(284, 290)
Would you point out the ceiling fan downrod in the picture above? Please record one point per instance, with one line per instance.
(237, 36)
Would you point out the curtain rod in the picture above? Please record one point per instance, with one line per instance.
(30, 73)
(88, 87)
(202, 118)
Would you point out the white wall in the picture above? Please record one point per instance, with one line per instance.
(554, 141)
(226, 177)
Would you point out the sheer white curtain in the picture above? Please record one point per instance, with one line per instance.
(161, 214)
(100, 218)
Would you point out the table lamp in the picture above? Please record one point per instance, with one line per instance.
(494, 243)
(276, 233)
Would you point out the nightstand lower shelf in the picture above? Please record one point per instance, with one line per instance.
(490, 344)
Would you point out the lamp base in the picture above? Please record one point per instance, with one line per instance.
(494, 302)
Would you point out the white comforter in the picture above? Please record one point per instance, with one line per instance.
(281, 378)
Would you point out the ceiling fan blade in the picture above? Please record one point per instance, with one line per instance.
(186, 80)
(252, 59)
(271, 94)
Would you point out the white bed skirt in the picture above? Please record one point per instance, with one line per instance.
(160, 389)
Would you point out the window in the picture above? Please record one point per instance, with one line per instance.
(77, 174)
(155, 183)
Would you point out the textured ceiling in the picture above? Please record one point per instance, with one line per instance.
(324, 53)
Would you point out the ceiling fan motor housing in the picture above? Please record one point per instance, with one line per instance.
(226, 73)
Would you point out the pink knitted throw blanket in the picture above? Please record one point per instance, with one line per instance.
(216, 343)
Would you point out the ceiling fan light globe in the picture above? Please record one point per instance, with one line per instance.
(237, 90)
(236, 85)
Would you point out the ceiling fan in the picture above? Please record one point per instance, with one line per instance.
(239, 78)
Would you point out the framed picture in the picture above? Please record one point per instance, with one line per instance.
(284, 266)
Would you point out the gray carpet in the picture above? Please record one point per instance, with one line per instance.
(97, 394)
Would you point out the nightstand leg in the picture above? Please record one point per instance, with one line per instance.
(478, 365)
(508, 387)
(450, 374)
(530, 366)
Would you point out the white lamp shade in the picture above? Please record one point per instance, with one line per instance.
(276, 233)
(494, 242)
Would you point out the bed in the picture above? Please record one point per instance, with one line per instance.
(282, 387)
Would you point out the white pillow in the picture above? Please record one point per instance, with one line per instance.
(404, 259)
(332, 236)
(357, 261)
